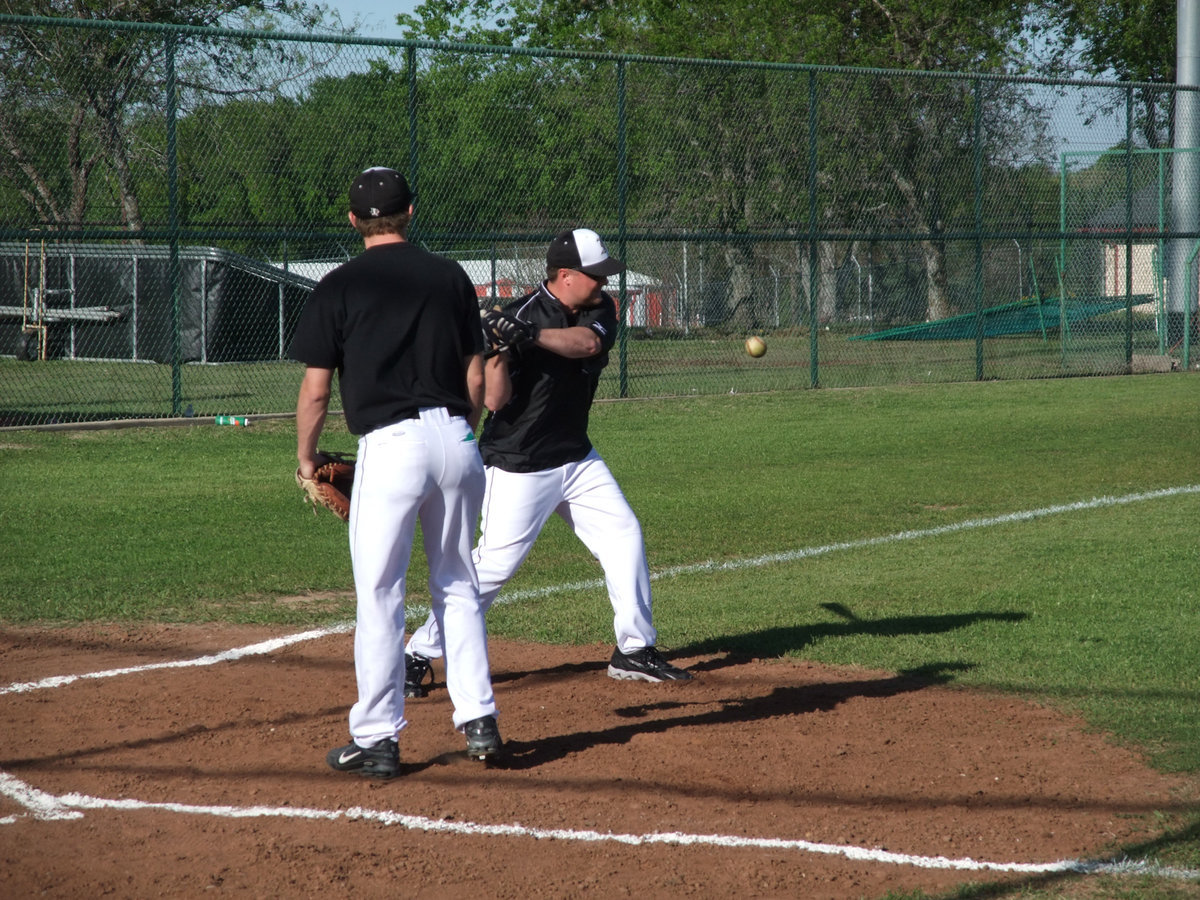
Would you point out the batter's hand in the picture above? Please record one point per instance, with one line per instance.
(505, 331)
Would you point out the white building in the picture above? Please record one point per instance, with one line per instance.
(650, 303)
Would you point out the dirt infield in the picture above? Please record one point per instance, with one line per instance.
(759, 779)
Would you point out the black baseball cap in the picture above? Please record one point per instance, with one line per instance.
(581, 249)
(379, 191)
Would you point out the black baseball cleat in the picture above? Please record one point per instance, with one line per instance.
(483, 738)
(380, 761)
(416, 669)
(646, 664)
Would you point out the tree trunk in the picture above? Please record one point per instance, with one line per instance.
(81, 169)
(38, 195)
(937, 304)
(742, 313)
(131, 214)
(935, 275)
(826, 282)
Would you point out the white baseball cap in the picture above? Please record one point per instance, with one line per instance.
(581, 249)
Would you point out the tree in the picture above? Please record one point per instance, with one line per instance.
(1131, 40)
(909, 138)
(515, 143)
(92, 86)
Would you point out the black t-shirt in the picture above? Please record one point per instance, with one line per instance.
(544, 425)
(397, 323)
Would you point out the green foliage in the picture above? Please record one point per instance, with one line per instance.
(253, 142)
(729, 146)
(535, 142)
(367, 112)
(922, 35)
(1103, 37)
(98, 84)
(1116, 38)
(920, 163)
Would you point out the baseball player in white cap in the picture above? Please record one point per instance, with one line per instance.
(401, 328)
(540, 461)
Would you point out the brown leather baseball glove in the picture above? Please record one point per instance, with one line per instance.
(330, 485)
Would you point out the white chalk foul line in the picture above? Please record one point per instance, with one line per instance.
(43, 805)
(808, 552)
(258, 649)
(417, 611)
(39, 803)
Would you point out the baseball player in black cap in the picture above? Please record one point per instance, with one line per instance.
(401, 328)
(540, 461)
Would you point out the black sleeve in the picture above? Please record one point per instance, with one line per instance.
(472, 333)
(318, 338)
(603, 321)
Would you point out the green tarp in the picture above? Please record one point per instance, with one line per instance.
(1011, 318)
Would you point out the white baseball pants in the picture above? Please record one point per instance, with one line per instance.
(425, 469)
(516, 507)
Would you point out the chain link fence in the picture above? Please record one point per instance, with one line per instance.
(171, 195)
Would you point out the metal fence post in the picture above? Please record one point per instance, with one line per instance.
(173, 267)
(978, 185)
(410, 60)
(622, 196)
(1129, 226)
(814, 375)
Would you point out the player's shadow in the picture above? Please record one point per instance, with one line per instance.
(731, 650)
(782, 701)
(562, 670)
(769, 643)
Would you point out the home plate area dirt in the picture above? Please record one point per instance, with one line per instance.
(760, 778)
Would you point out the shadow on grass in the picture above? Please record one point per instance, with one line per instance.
(774, 642)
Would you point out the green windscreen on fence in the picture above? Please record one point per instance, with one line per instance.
(1030, 316)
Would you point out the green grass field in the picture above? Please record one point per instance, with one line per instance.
(868, 527)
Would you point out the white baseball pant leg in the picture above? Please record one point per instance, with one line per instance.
(428, 469)
(516, 508)
(597, 511)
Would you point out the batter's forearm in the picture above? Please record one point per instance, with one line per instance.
(576, 342)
